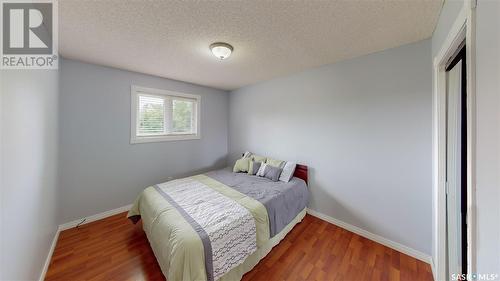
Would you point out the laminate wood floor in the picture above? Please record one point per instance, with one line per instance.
(115, 249)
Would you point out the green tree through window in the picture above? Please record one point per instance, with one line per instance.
(182, 113)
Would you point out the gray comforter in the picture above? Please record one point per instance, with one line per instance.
(283, 201)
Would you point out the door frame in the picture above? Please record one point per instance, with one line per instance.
(462, 30)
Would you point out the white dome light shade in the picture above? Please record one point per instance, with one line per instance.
(221, 50)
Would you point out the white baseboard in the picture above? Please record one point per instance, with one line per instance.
(49, 256)
(433, 269)
(374, 237)
(95, 217)
(74, 223)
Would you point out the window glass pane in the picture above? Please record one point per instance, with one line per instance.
(151, 116)
(182, 116)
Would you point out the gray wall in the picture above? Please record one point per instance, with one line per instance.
(364, 128)
(28, 170)
(488, 136)
(100, 169)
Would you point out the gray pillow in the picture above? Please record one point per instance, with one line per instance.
(272, 173)
(254, 167)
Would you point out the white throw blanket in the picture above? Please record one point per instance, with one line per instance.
(226, 228)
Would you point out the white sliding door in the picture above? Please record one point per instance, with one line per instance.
(454, 170)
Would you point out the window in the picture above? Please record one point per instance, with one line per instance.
(160, 115)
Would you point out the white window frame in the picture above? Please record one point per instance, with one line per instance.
(134, 99)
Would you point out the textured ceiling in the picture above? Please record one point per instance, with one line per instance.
(270, 38)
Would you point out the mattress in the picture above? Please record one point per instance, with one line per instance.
(218, 225)
(283, 201)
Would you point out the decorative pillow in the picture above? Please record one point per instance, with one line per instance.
(247, 154)
(287, 173)
(261, 170)
(274, 162)
(272, 173)
(241, 165)
(254, 167)
(258, 158)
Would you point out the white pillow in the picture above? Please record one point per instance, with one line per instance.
(261, 170)
(287, 173)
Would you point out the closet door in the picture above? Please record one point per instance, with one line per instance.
(454, 169)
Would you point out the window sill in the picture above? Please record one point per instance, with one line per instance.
(135, 140)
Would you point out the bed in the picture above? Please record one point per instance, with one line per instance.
(218, 225)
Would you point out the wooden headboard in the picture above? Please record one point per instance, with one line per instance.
(301, 172)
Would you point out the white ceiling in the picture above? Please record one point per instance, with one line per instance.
(270, 38)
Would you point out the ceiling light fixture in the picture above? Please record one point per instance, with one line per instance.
(221, 50)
